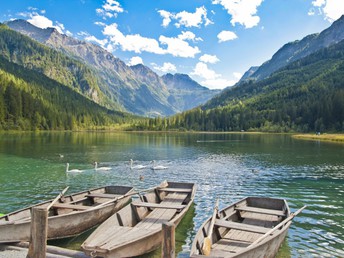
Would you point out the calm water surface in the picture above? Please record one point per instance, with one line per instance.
(224, 166)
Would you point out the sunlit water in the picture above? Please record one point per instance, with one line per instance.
(224, 166)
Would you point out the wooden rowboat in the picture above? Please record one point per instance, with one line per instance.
(245, 229)
(137, 228)
(69, 215)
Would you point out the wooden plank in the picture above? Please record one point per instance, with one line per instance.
(260, 210)
(168, 249)
(102, 195)
(240, 226)
(158, 205)
(39, 231)
(176, 190)
(71, 206)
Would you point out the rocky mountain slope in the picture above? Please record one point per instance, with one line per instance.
(137, 89)
(296, 50)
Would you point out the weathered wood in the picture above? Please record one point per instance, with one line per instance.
(71, 206)
(64, 221)
(142, 226)
(102, 195)
(278, 226)
(39, 231)
(168, 244)
(174, 190)
(240, 226)
(260, 210)
(158, 205)
(236, 234)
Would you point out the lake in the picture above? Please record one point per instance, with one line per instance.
(225, 166)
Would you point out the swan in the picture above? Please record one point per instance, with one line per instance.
(154, 167)
(100, 168)
(137, 166)
(73, 170)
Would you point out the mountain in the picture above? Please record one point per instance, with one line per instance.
(304, 96)
(29, 100)
(296, 50)
(128, 87)
(186, 93)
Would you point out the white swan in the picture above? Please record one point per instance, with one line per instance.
(73, 170)
(137, 166)
(154, 167)
(100, 168)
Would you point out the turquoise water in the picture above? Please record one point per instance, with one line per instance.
(224, 166)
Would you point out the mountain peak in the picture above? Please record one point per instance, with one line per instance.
(298, 49)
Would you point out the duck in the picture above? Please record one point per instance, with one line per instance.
(72, 170)
(100, 168)
(154, 167)
(137, 166)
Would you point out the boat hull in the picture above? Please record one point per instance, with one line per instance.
(66, 224)
(138, 237)
(233, 237)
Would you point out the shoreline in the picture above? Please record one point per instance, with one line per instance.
(338, 138)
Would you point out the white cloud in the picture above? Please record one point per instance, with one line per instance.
(210, 78)
(137, 43)
(43, 22)
(203, 71)
(165, 68)
(135, 60)
(211, 59)
(242, 11)
(226, 35)
(178, 47)
(188, 35)
(185, 18)
(109, 9)
(219, 83)
(166, 17)
(101, 42)
(331, 9)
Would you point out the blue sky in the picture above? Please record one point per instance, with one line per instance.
(214, 41)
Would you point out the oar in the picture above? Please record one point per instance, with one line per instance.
(293, 215)
(207, 241)
(162, 185)
(57, 198)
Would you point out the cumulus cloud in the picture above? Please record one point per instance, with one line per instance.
(165, 68)
(211, 59)
(43, 22)
(204, 72)
(242, 11)
(176, 46)
(185, 18)
(210, 78)
(331, 9)
(135, 60)
(226, 35)
(166, 17)
(101, 42)
(109, 9)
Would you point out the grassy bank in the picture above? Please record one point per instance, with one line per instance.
(321, 137)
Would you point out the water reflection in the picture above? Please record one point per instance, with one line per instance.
(224, 166)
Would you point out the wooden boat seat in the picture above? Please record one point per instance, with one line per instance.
(158, 216)
(71, 206)
(158, 205)
(102, 195)
(176, 190)
(261, 210)
(241, 226)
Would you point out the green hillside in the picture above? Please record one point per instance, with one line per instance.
(31, 101)
(306, 96)
(32, 55)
